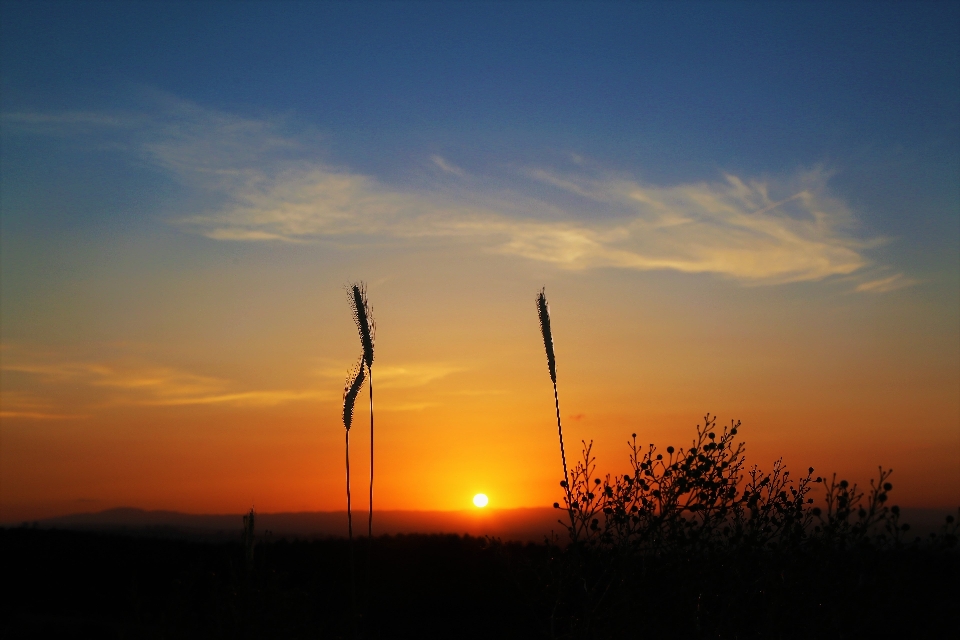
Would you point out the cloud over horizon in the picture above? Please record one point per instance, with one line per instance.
(755, 231)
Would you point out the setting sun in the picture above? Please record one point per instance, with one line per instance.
(480, 500)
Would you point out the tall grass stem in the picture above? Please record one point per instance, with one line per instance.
(350, 391)
(370, 519)
(367, 328)
(543, 312)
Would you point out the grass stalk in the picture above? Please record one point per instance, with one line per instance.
(350, 391)
(367, 329)
(370, 517)
(543, 311)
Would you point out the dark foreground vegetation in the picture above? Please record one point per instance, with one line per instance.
(692, 542)
(113, 586)
(75, 584)
(689, 544)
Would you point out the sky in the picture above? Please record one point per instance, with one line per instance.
(746, 209)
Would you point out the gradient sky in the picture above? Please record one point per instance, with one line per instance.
(751, 209)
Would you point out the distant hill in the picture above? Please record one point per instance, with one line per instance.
(509, 524)
(524, 525)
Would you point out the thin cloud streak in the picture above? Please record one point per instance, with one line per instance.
(885, 285)
(143, 386)
(729, 228)
(246, 398)
(754, 231)
(447, 167)
(404, 376)
(17, 404)
(34, 415)
(408, 406)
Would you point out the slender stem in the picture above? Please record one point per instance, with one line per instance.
(370, 519)
(563, 457)
(353, 573)
(349, 516)
(369, 585)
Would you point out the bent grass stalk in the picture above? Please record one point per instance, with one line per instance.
(350, 391)
(367, 329)
(543, 311)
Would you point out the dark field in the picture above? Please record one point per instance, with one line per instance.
(77, 584)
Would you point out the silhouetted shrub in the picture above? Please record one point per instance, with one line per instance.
(699, 524)
(703, 498)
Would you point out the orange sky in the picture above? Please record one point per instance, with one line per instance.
(764, 228)
(239, 404)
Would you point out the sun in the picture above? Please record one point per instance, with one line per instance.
(480, 500)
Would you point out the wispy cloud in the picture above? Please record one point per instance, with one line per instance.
(37, 415)
(245, 398)
(133, 384)
(404, 376)
(759, 231)
(414, 375)
(407, 406)
(447, 167)
(730, 227)
(28, 406)
(155, 381)
(884, 285)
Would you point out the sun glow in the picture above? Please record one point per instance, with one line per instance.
(480, 500)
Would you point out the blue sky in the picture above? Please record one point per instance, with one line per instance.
(665, 92)
(185, 188)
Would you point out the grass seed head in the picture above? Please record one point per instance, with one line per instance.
(544, 312)
(366, 326)
(350, 391)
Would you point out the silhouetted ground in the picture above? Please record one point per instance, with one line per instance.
(524, 524)
(76, 584)
(104, 585)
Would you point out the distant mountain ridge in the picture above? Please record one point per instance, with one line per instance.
(526, 524)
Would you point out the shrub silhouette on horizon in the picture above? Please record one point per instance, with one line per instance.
(695, 511)
(704, 498)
